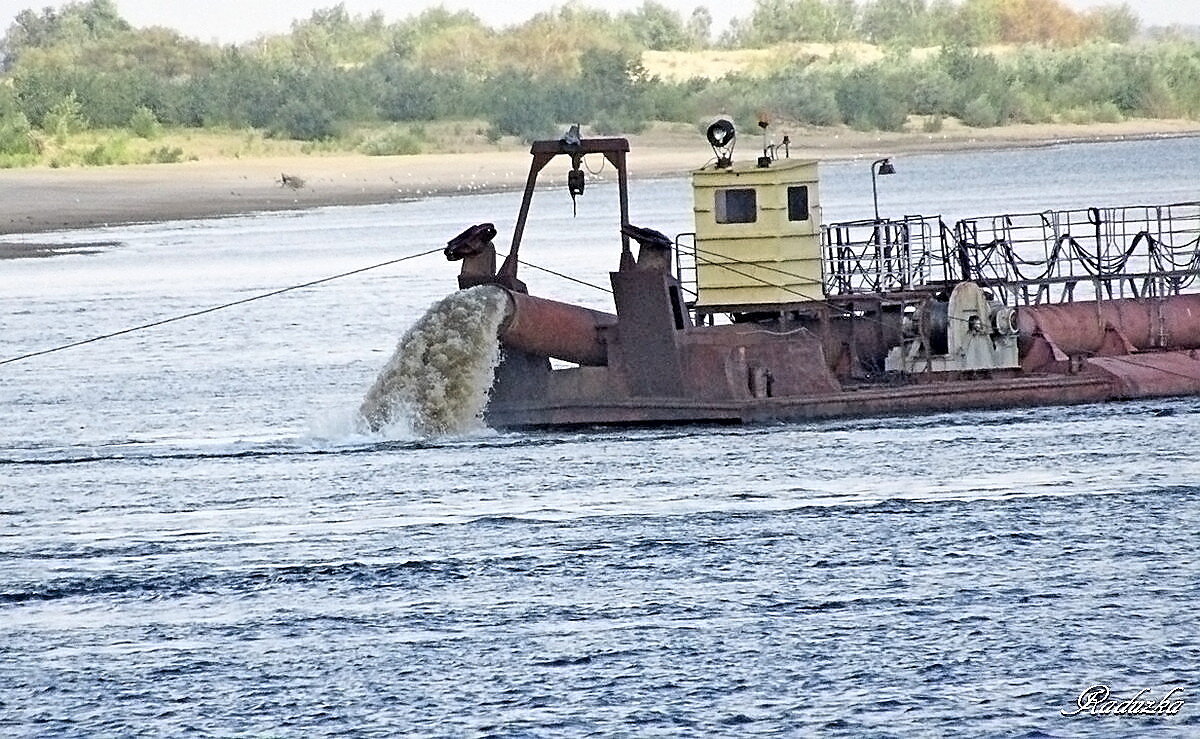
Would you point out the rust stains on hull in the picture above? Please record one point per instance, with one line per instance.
(950, 396)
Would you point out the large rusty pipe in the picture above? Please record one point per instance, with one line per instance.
(553, 329)
(1081, 328)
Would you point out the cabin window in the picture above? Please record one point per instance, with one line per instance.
(737, 206)
(798, 203)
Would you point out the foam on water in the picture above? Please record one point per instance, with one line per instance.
(437, 382)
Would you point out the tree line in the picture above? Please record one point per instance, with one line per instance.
(83, 66)
(936, 23)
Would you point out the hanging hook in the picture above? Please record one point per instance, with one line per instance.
(575, 182)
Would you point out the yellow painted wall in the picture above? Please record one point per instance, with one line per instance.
(772, 260)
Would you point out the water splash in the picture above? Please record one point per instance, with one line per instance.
(437, 382)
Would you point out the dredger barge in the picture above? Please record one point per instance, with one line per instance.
(766, 313)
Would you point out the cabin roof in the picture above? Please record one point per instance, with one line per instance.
(747, 170)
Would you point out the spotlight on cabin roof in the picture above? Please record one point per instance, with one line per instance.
(721, 136)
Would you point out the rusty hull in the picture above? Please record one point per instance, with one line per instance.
(655, 372)
(649, 364)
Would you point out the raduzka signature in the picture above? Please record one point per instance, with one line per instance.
(1098, 700)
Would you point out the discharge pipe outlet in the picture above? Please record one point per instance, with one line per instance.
(1080, 328)
(553, 329)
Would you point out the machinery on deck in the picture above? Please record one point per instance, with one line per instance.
(765, 312)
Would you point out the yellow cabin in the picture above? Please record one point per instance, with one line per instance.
(758, 234)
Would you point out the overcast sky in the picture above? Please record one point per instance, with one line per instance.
(242, 20)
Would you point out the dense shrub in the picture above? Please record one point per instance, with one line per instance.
(392, 142)
(165, 155)
(805, 96)
(409, 93)
(868, 99)
(16, 135)
(518, 107)
(64, 118)
(304, 120)
(113, 151)
(980, 113)
(144, 123)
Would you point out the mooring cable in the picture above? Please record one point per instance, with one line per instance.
(216, 308)
(559, 274)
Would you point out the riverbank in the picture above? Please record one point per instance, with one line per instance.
(43, 199)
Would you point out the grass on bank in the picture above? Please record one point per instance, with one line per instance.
(108, 147)
(165, 145)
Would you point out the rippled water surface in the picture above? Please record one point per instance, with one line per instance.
(196, 539)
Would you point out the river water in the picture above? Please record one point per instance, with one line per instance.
(197, 538)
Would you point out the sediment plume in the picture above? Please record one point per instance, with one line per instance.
(437, 382)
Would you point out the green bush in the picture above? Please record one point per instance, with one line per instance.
(16, 136)
(144, 124)
(806, 97)
(868, 101)
(1156, 99)
(14, 161)
(113, 151)
(526, 123)
(392, 142)
(1022, 106)
(1108, 112)
(520, 106)
(408, 93)
(64, 119)
(165, 155)
(931, 91)
(672, 102)
(306, 121)
(820, 108)
(1078, 116)
(981, 113)
(618, 122)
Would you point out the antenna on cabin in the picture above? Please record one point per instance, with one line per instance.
(765, 159)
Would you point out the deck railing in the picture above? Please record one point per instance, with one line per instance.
(1060, 256)
(877, 256)
(1025, 259)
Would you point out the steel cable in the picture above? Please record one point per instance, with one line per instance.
(215, 308)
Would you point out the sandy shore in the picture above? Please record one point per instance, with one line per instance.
(43, 199)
